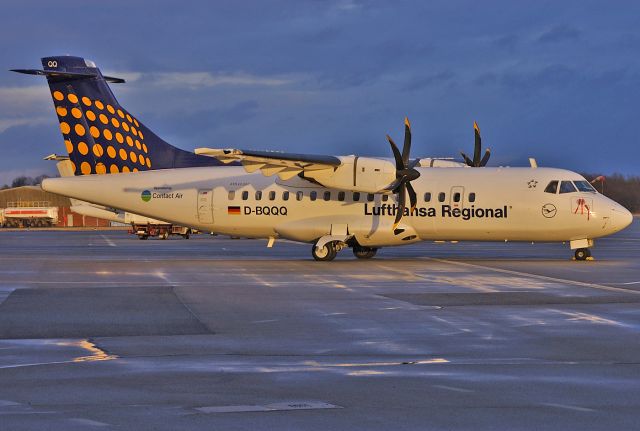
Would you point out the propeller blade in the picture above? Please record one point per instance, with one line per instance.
(407, 142)
(413, 198)
(467, 160)
(401, 205)
(485, 159)
(478, 145)
(396, 153)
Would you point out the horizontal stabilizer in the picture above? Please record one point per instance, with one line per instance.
(66, 75)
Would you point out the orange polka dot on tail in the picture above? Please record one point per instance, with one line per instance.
(83, 148)
(85, 168)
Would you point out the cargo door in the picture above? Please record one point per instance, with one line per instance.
(205, 206)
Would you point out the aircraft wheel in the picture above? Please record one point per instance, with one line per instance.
(364, 252)
(326, 253)
(582, 253)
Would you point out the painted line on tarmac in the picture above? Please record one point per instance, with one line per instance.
(569, 407)
(108, 241)
(539, 277)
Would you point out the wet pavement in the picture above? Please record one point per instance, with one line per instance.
(101, 330)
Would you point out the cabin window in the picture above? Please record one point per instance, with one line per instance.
(385, 198)
(567, 187)
(456, 197)
(341, 196)
(356, 196)
(285, 196)
(370, 197)
(327, 196)
(299, 196)
(232, 195)
(259, 195)
(584, 186)
(552, 187)
(313, 195)
(427, 197)
(472, 197)
(245, 195)
(441, 196)
(272, 195)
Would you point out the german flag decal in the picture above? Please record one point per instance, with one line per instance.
(233, 210)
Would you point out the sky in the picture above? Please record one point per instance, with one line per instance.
(554, 80)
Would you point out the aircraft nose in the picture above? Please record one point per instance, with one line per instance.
(622, 217)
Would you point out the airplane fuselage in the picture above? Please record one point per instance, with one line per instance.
(488, 204)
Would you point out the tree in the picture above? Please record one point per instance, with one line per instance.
(22, 181)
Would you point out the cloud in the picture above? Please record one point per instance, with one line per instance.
(559, 33)
(7, 123)
(440, 78)
(14, 98)
(196, 80)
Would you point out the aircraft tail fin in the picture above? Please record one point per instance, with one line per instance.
(99, 134)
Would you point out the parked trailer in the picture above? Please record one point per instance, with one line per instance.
(30, 214)
(162, 231)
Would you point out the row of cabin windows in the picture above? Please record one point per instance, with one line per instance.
(313, 195)
(442, 196)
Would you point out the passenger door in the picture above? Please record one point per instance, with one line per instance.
(205, 206)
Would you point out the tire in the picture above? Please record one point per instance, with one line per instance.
(582, 254)
(186, 236)
(325, 254)
(364, 252)
(143, 236)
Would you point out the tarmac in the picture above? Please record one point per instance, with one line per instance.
(99, 330)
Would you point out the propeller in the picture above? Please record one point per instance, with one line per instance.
(405, 173)
(477, 162)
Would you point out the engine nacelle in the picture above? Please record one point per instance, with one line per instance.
(358, 174)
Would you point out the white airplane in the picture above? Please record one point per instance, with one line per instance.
(332, 202)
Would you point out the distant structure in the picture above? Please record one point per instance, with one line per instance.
(30, 206)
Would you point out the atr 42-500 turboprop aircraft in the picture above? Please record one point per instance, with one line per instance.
(332, 202)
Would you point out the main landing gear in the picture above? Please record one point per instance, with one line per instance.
(364, 252)
(325, 253)
(329, 251)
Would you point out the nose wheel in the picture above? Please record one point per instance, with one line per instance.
(582, 254)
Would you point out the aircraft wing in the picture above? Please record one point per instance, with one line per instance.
(285, 165)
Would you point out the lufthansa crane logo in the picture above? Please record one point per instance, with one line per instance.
(549, 210)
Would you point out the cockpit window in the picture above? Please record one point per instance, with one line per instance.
(567, 187)
(584, 186)
(552, 187)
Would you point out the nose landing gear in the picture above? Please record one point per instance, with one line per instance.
(583, 254)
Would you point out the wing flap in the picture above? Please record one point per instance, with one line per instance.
(285, 165)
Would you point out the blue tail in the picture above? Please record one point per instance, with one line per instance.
(100, 135)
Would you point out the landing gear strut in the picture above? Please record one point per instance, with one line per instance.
(364, 252)
(325, 253)
(582, 253)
